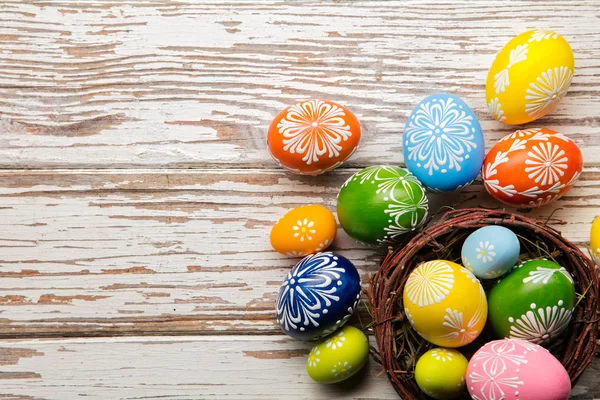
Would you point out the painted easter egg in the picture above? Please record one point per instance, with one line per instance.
(514, 369)
(534, 302)
(304, 230)
(339, 356)
(445, 303)
(595, 237)
(378, 204)
(318, 296)
(443, 144)
(490, 252)
(529, 77)
(440, 373)
(313, 137)
(532, 167)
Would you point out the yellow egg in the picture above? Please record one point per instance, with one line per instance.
(440, 373)
(304, 230)
(529, 77)
(595, 237)
(445, 303)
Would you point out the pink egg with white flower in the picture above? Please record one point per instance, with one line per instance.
(514, 369)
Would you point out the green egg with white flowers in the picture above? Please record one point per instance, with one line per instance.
(379, 204)
(338, 356)
(534, 302)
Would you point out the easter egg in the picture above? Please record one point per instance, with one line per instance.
(443, 144)
(491, 251)
(445, 303)
(304, 230)
(534, 302)
(313, 137)
(595, 237)
(339, 356)
(531, 167)
(514, 369)
(440, 373)
(378, 204)
(529, 77)
(318, 296)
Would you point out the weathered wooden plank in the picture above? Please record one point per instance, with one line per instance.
(121, 252)
(235, 367)
(194, 83)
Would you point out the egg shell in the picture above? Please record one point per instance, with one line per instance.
(313, 136)
(304, 230)
(440, 373)
(318, 296)
(533, 302)
(491, 251)
(442, 143)
(378, 204)
(339, 356)
(532, 167)
(445, 303)
(529, 77)
(595, 237)
(514, 369)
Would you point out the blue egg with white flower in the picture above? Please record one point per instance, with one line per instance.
(443, 143)
(491, 251)
(318, 296)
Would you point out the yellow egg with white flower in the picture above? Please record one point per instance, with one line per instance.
(440, 373)
(529, 77)
(595, 238)
(445, 303)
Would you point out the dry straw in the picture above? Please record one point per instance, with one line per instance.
(400, 346)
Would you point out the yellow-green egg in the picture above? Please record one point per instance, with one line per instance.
(339, 356)
(440, 373)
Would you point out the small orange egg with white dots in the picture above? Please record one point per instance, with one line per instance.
(304, 230)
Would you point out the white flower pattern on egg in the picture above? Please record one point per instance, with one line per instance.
(430, 283)
(304, 229)
(541, 325)
(314, 128)
(485, 251)
(543, 95)
(313, 357)
(439, 136)
(341, 369)
(336, 341)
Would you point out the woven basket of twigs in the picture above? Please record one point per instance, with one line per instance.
(400, 346)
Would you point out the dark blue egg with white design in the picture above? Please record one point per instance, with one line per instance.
(490, 252)
(443, 144)
(318, 296)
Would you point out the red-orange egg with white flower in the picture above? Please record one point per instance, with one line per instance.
(313, 137)
(532, 167)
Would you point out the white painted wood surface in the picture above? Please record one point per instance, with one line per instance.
(110, 250)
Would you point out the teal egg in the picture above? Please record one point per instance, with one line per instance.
(378, 204)
(533, 302)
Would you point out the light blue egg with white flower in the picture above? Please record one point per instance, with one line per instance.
(443, 143)
(491, 251)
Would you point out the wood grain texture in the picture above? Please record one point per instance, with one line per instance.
(235, 367)
(193, 83)
(137, 252)
(107, 240)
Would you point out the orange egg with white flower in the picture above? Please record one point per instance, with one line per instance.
(304, 230)
(313, 137)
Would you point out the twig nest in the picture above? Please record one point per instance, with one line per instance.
(399, 345)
